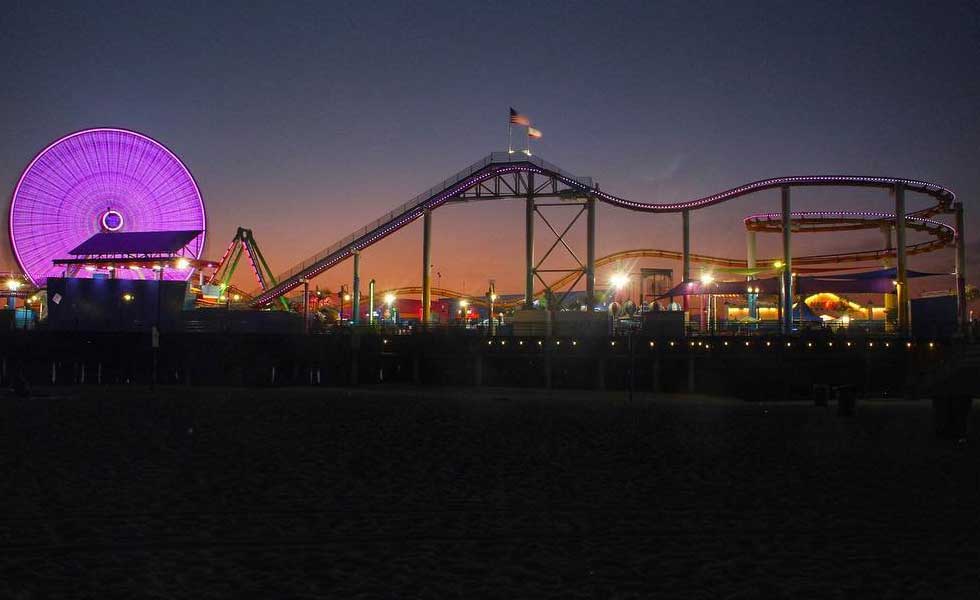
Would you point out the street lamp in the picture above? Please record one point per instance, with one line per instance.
(706, 280)
(753, 299)
(344, 296)
(13, 285)
(492, 297)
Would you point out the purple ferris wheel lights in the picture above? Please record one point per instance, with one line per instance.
(100, 180)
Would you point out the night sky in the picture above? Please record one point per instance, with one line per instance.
(304, 121)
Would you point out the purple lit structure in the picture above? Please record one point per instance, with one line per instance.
(101, 181)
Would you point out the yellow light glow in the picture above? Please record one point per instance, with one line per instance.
(127, 297)
(236, 297)
(778, 264)
(389, 298)
(707, 278)
(346, 297)
(13, 285)
(183, 263)
(619, 280)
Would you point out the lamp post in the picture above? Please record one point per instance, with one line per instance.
(371, 302)
(492, 297)
(343, 296)
(390, 301)
(13, 285)
(706, 280)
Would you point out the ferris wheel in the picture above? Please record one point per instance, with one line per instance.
(101, 181)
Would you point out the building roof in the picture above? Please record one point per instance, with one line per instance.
(135, 243)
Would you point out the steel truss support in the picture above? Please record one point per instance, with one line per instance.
(517, 186)
(587, 269)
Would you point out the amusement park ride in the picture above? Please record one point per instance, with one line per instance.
(244, 243)
(114, 203)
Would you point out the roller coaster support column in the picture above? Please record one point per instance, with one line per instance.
(787, 273)
(529, 244)
(750, 263)
(686, 255)
(355, 316)
(590, 253)
(902, 275)
(427, 268)
(961, 269)
(306, 305)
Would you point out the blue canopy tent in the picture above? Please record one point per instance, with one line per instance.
(803, 314)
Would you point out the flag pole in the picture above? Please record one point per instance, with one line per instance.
(527, 140)
(510, 138)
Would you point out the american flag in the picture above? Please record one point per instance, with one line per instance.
(534, 134)
(517, 118)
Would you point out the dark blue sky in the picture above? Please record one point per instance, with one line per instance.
(305, 120)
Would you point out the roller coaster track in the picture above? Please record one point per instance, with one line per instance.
(491, 177)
